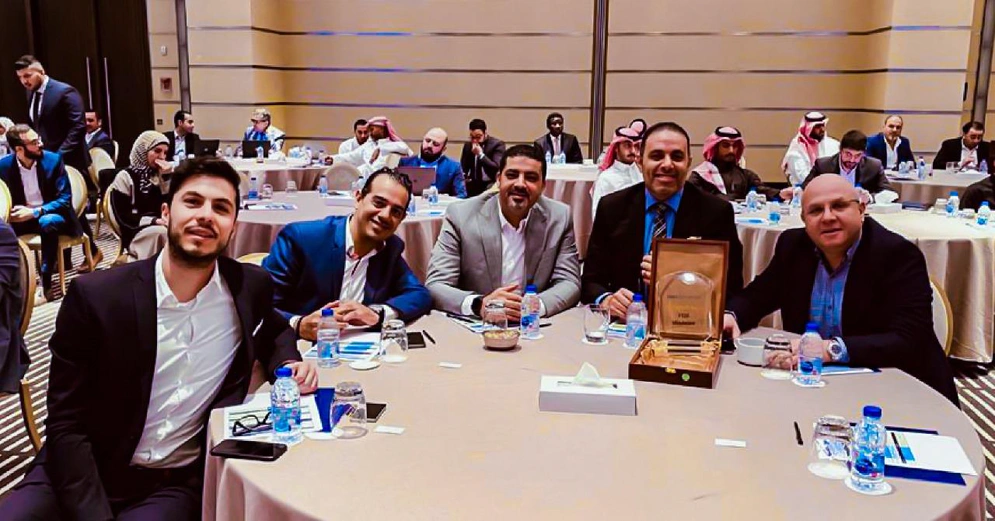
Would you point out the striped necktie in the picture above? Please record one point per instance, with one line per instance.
(660, 220)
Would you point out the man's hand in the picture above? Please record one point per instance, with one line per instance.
(646, 269)
(968, 161)
(790, 361)
(729, 325)
(376, 154)
(512, 301)
(164, 166)
(20, 214)
(353, 313)
(787, 193)
(477, 150)
(306, 376)
(617, 304)
(309, 325)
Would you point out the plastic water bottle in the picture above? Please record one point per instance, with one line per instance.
(549, 158)
(431, 195)
(323, 186)
(561, 159)
(259, 155)
(635, 322)
(810, 356)
(253, 186)
(228, 152)
(751, 200)
(308, 155)
(530, 313)
(285, 408)
(357, 185)
(869, 441)
(796, 196)
(984, 214)
(328, 339)
(953, 204)
(412, 207)
(774, 212)
(983, 168)
(922, 168)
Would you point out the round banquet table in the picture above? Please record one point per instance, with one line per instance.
(477, 447)
(256, 230)
(959, 255)
(934, 187)
(277, 173)
(572, 184)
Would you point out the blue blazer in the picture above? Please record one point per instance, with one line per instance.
(877, 148)
(448, 174)
(61, 125)
(53, 180)
(307, 263)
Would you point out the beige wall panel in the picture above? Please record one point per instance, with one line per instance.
(161, 16)
(475, 89)
(474, 52)
(172, 95)
(748, 52)
(769, 15)
(929, 49)
(932, 12)
(430, 15)
(171, 59)
(236, 85)
(218, 13)
(932, 91)
(221, 47)
(162, 112)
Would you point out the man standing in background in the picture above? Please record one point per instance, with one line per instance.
(480, 158)
(557, 142)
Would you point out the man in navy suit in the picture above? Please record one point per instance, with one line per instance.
(351, 264)
(448, 176)
(41, 196)
(95, 135)
(888, 146)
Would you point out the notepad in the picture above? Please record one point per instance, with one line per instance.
(927, 452)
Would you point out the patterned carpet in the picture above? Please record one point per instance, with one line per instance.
(975, 384)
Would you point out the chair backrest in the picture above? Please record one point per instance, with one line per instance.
(5, 202)
(340, 176)
(943, 317)
(117, 148)
(253, 258)
(99, 160)
(28, 284)
(111, 218)
(80, 193)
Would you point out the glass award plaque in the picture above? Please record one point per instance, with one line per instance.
(686, 299)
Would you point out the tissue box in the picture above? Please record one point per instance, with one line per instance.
(884, 208)
(558, 394)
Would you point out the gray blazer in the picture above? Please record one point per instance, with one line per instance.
(466, 259)
(869, 172)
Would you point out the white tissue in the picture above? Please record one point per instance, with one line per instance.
(588, 377)
(885, 197)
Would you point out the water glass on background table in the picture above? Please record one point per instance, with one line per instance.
(952, 167)
(830, 448)
(291, 188)
(348, 412)
(777, 358)
(266, 192)
(394, 342)
(595, 324)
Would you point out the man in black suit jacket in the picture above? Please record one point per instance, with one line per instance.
(853, 165)
(140, 355)
(967, 151)
(556, 141)
(183, 129)
(884, 318)
(95, 135)
(617, 261)
(480, 158)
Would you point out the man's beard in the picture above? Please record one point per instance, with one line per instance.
(429, 157)
(189, 259)
(34, 156)
(723, 165)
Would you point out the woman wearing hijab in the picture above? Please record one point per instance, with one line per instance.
(137, 195)
(5, 125)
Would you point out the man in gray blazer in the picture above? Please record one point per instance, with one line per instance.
(493, 245)
(853, 164)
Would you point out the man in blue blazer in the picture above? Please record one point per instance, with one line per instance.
(888, 146)
(448, 174)
(41, 197)
(351, 264)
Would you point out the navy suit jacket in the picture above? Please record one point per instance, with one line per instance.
(102, 140)
(53, 180)
(61, 125)
(878, 149)
(307, 263)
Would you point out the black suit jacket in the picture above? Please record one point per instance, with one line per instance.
(62, 125)
(950, 152)
(101, 140)
(870, 172)
(103, 360)
(616, 245)
(191, 139)
(887, 315)
(978, 192)
(480, 173)
(877, 148)
(568, 145)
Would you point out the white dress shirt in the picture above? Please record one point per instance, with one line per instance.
(557, 144)
(361, 157)
(29, 180)
(796, 164)
(348, 145)
(966, 153)
(89, 135)
(196, 343)
(41, 97)
(613, 179)
(892, 152)
(180, 149)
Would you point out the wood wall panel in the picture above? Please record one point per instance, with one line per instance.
(161, 16)
(162, 111)
(219, 13)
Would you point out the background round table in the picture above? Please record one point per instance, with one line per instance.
(934, 187)
(477, 447)
(256, 230)
(960, 258)
(572, 184)
(277, 173)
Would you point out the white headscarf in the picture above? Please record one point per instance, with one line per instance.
(144, 175)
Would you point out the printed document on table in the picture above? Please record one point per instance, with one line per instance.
(928, 452)
(258, 405)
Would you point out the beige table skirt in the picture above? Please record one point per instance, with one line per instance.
(960, 259)
(934, 187)
(477, 447)
(574, 189)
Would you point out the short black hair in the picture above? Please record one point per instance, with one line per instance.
(179, 116)
(660, 127)
(478, 124)
(358, 123)
(398, 177)
(15, 135)
(206, 166)
(854, 140)
(973, 125)
(25, 61)
(553, 115)
(95, 113)
(530, 151)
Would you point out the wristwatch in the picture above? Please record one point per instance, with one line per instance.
(835, 350)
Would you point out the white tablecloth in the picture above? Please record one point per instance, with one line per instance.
(938, 185)
(573, 184)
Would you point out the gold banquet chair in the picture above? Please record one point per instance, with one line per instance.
(27, 276)
(943, 317)
(99, 160)
(5, 202)
(66, 241)
(253, 258)
(112, 221)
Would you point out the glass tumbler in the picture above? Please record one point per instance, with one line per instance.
(830, 448)
(291, 188)
(777, 353)
(595, 324)
(266, 192)
(348, 414)
(394, 342)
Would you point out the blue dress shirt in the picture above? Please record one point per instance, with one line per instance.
(672, 202)
(826, 306)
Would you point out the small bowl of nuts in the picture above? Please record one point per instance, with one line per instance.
(501, 339)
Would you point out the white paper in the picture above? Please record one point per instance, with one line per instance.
(349, 341)
(258, 405)
(387, 429)
(722, 442)
(473, 325)
(833, 370)
(450, 365)
(931, 452)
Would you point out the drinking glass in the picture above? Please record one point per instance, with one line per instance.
(266, 192)
(495, 316)
(348, 413)
(829, 454)
(776, 348)
(595, 325)
(953, 167)
(291, 188)
(761, 201)
(394, 342)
